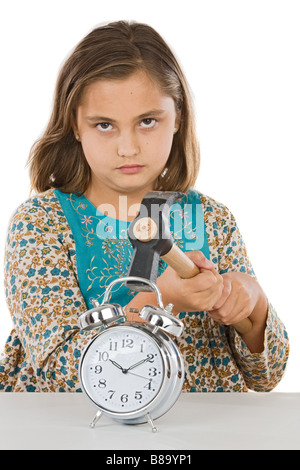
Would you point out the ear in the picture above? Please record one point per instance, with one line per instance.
(75, 128)
(178, 119)
(76, 134)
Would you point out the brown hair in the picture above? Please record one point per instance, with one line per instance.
(113, 51)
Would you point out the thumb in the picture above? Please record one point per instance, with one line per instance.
(200, 260)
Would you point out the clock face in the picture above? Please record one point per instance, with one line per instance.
(123, 369)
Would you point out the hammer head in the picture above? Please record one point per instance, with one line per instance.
(150, 236)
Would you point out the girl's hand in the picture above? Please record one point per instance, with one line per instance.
(244, 298)
(198, 293)
(187, 295)
(243, 292)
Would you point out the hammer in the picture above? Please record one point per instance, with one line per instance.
(150, 236)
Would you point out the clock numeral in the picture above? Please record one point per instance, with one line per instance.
(150, 358)
(138, 395)
(152, 371)
(98, 369)
(113, 346)
(124, 398)
(103, 356)
(127, 343)
(112, 392)
(102, 383)
(148, 385)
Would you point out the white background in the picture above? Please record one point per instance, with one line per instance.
(241, 59)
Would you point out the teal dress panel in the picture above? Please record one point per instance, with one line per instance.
(104, 251)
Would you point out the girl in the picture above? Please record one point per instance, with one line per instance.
(122, 125)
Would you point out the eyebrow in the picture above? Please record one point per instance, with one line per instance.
(152, 112)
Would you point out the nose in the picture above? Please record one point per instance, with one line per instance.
(128, 145)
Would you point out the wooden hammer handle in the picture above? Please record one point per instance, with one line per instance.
(186, 269)
(183, 265)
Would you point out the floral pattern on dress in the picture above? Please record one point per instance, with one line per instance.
(43, 295)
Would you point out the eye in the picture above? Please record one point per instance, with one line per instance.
(148, 123)
(104, 126)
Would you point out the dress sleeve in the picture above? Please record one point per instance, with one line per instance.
(261, 371)
(44, 300)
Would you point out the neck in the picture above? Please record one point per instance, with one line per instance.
(122, 206)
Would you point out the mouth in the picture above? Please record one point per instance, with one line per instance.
(130, 169)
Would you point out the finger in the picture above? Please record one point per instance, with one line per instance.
(200, 260)
(227, 287)
(206, 280)
(231, 311)
(231, 319)
(209, 292)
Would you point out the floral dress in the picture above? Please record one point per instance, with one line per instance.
(62, 253)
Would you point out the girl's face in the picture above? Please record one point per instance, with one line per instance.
(126, 129)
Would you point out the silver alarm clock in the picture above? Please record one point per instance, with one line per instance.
(132, 372)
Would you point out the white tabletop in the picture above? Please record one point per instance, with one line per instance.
(196, 421)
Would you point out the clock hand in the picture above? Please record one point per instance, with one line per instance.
(138, 363)
(141, 376)
(118, 365)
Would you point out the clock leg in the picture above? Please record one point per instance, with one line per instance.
(95, 419)
(150, 421)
